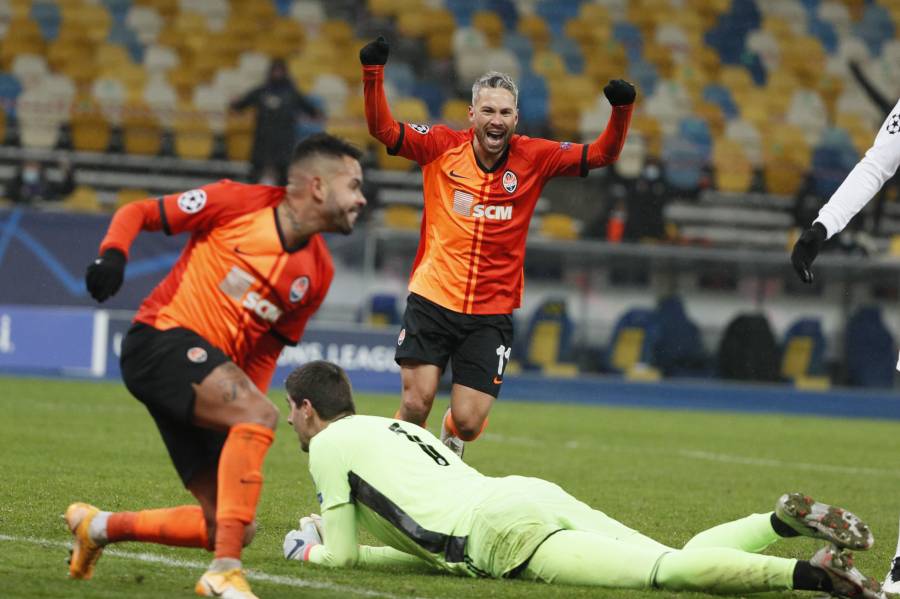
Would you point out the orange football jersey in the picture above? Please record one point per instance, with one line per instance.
(475, 223)
(235, 280)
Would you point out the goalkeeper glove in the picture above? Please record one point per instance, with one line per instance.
(619, 92)
(806, 249)
(105, 274)
(375, 52)
(298, 543)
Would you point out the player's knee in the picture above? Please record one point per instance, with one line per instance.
(469, 426)
(261, 411)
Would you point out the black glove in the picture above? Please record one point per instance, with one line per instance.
(619, 92)
(375, 52)
(806, 249)
(105, 274)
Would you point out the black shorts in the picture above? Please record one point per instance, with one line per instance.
(158, 368)
(478, 344)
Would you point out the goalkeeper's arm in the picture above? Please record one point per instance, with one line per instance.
(339, 548)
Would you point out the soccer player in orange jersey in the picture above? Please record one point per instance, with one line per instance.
(481, 186)
(203, 346)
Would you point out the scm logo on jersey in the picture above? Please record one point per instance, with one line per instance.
(262, 307)
(493, 211)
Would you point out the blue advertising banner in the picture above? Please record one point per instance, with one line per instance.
(52, 340)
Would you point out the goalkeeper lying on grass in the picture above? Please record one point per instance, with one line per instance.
(402, 484)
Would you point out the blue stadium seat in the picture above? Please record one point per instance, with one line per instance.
(755, 65)
(875, 27)
(506, 10)
(380, 311)
(118, 9)
(10, 88)
(48, 18)
(832, 160)
(123, 35)
(645, 76)
(402, 77)
(696, 131)
(519, 45)
(825, 33)
(556, 13)
(685, 162)
(721, 96)
(679, 350)
(870, 350)
(532, 99)
(568, 49)
(548, 341)
(803, 350)
(634, 340)
(431, 93)
(630, 37)
(462, 10)
(283, 7)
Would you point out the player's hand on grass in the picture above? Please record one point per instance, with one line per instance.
(806, 249)
(619, 92)
(375, 52)
(105, 274)
(297, 543)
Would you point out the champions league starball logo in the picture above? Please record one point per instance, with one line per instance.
(893, 125)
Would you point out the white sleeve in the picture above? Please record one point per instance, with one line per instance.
(865, 180)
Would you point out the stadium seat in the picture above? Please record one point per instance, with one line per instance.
(400, 217)
(89, 130)
(141, 131)
(870, 350)
(193, 137)
(559, 226)
(239, 136)
(455, 113)
(679, 350)
(803, 350)
(380, 311)
(633, 342)
(83, 199)
(747, 350)
(548, 340)
(126, 195)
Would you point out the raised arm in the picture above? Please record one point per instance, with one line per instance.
(382, 125)
(606, 148)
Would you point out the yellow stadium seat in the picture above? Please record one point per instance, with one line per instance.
(651, 130)
(415, 24)
(391, 163)
(558, 226)
(733, 171)
(352, 130)
(535, 29)
(440, 45)
(126, 195)
(193, 137)
(83, 199)
(90, 131)
(338, 31)
(455, 113)
(489, 23)
(627, 351)
(401, 217)
(797, 354)
(239, 136)
(548, 64)
(410, 110)
(141, 131)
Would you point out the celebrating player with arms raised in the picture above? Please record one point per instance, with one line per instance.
(481, 187)
(204, 344)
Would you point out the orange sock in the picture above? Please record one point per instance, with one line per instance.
(182, 526)
(451, 426)
(240, 482)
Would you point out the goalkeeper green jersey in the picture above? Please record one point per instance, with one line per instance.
(417, 496)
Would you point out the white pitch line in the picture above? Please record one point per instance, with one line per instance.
(289, 581)
(700, 455)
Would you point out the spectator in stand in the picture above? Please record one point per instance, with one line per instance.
(31, 185)
(278, 104)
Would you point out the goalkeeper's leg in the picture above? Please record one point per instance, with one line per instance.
(584, 558)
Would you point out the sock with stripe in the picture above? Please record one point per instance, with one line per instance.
(239, 485)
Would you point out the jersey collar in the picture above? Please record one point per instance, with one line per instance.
(500, 161)
(281, 239)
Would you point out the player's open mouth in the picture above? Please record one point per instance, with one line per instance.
(495, 135)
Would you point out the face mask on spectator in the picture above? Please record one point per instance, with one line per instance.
(30, 176)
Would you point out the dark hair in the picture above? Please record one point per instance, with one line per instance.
(323, 144)
(325, 385)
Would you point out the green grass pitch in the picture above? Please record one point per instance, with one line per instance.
(666, 473)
